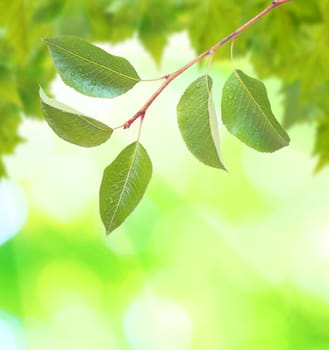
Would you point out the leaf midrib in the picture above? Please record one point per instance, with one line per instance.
(79, 116)
(93, 62)
(105, 128)
(259, 107)
(124, 185)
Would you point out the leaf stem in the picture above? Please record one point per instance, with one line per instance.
(170, 77)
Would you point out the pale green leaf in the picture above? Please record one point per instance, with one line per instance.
(123, 185)
(71, 125)
(247, 114)
(198, 123)
(89, 69)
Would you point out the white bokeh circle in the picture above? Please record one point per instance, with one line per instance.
(11, 335)
(152, 323)
(13, 209)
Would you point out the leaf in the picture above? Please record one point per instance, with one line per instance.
(47, 11)
(198, 123)
(89, 69)
(247, 114)
(9, 127)
(321, 148)
(123, 185)
(201, 13)
(71, 125)
(3, 172)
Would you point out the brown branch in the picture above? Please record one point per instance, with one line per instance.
(170, 77)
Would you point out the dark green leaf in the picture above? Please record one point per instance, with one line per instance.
(123, 185)
(71, 125)
(247, 114)
(89, 69)
(198, 123)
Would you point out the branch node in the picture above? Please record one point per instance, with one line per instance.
(127, 124)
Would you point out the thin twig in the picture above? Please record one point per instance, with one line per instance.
(170, 77)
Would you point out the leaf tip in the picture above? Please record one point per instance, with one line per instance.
(45, 40)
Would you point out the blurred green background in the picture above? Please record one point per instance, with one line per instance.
(209, 260)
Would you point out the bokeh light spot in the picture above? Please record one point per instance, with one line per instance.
(63, 281)
(13, 209)
(65, 186)
(80, 326)
(33, 156)
(280, 174)
(152, 323)
(311, 261)
(11, 337)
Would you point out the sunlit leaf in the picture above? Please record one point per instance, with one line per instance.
(123, 185)
(89, 69)
(3, 172)
(321, 148)
(8, 87)
(71, 125)
(9, 137)
(247, 114)
(198, 123)
(47, 11)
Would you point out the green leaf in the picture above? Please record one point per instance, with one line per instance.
(47, 11)
(198, 123)
(247, 114)
(9, 126)
(3, 172)
(123, 185)
(71, 125)
(89, 69)
(321, 148)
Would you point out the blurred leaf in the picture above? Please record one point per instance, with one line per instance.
(8, 89)
(294, 111)
(198, 122)
(210, 21)
(28, 86)
(47, 11)
(89, 69)
(72, 126)
(247, 114)
(152, 21)
(321, 148)
(153, 39)
(123, 185)
(3, 172)
(9, 138)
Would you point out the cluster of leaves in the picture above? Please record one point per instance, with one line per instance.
(291, 44)
(246, 112)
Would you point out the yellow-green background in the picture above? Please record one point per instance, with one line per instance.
(209, 260)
